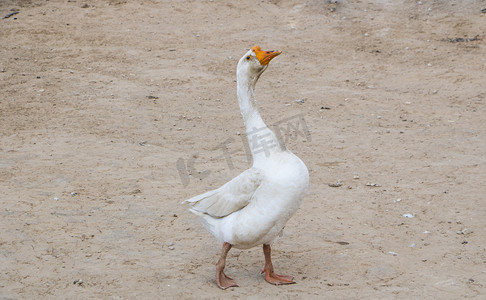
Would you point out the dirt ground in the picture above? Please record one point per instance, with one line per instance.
(112, 112)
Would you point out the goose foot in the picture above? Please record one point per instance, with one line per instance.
(222, 280)
(270, 276)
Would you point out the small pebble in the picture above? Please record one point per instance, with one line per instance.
(337, 184)
(73, 194)
(464, 231)
(393, 253)
(408, 216)
(56, 199)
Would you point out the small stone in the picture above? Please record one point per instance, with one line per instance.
(408, 215)
(393, 253)
(337, 184)
(56, 199)
(465, 231)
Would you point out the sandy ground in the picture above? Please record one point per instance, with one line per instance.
(113, 112)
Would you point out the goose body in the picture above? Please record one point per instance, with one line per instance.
(253, 208)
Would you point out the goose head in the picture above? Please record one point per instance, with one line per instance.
(255, 62)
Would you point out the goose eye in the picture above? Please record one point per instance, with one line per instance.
(248, 57)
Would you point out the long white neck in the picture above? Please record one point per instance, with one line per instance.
(262, 141)
(247, 102)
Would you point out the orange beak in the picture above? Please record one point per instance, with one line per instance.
(265, 56)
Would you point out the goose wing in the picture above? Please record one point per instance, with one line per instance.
(231, 197)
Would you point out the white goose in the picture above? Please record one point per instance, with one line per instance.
(252, 208)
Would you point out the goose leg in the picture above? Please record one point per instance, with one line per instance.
(222, 280)
(270, 276)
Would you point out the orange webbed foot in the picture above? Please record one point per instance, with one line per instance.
(224, 281)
